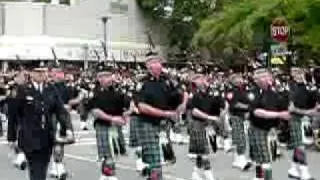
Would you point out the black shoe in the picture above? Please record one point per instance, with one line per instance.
(247, 166)
(293, 177)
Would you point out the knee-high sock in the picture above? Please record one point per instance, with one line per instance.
(299, 155)
(58, 153)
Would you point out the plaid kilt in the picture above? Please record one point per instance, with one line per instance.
(148, 135)
(198, 138)
(133, 137)
(102, 137)
(238, 134)
(295, 138)
(258, 145)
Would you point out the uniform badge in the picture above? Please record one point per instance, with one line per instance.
(138, 87)
(210, 93)
(90, 95)
(29, 98)
(14, 93)
(282, 89)
(216, 93)
(287, 88)
(251, 96)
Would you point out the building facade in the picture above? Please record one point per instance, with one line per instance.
(32, 31)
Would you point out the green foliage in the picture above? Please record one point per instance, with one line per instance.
(238, 22)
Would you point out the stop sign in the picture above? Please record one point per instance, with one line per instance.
(280, 30)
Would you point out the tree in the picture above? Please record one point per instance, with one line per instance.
(244, 24)
(180, 17)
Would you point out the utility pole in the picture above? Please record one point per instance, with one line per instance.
(105, 20)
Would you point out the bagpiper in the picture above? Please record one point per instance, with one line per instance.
(155, 104)
(303, 104)
(108, 106)
(239, 105)
(264, 118)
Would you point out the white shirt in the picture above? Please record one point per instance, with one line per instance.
(38, 87)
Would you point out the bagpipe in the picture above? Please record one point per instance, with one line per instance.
(168, 155)
(66, 138)
(116, 141)
(64, 135)
(272, 140)
(307, 131)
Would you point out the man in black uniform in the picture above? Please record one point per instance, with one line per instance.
(239, 106)
(37, 102)
(264, 116)
(108, 106)
(155, 103)
(57, 167)
(205, 109)
(303, 106)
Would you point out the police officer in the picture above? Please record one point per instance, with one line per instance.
(155, 103)
(107, 106)
(264, 116)
(302, 106)
(239, 106)
(37, 102)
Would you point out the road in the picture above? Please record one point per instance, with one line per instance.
(81, 163)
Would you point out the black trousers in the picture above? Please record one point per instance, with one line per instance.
(38, 162)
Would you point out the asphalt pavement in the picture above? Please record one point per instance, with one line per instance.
(80, 160)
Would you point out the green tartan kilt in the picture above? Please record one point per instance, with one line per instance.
(295, 138)
(238, 134)
(258, 145)
(148, 135)
(102, 137)
(198, 138)
(134, 125)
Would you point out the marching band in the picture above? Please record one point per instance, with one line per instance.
(249, 114)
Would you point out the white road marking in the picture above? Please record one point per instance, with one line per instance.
(121, 166)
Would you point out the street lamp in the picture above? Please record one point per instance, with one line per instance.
(105, 20)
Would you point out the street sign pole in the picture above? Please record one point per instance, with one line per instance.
(280, 33)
